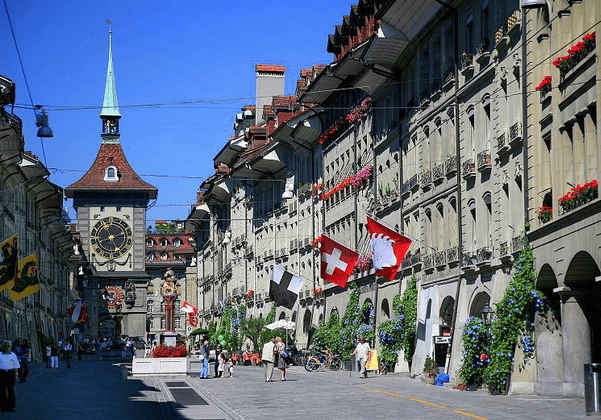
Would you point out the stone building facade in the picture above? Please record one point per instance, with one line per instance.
(32, 209)
(437, 101)
(563, 160)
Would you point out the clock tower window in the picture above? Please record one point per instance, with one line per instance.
(111, 174)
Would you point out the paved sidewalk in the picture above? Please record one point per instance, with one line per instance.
(342, 395)
(100, 390)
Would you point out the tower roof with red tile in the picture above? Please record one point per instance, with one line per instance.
(111, 155)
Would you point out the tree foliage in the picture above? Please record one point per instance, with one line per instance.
(229, 326)
(341, 335)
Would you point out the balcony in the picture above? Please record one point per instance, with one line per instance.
(416, 259)
(449, 79)
(406, 264)
(438, 172)
(467, 63)
(468, 169)
(517, 244)
(440, 259)
(484, 161)
(484, 256)
(450, 165)
(502, 144)
(469, 260)
(428, 262)
(513, 22)
(504, 250)
(453, 255)
(426, 179)
(414, 182)
(405, 188)
(515, 135)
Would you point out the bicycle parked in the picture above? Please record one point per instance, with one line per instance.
(322, 360)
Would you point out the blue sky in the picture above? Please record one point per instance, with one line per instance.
(188, 51)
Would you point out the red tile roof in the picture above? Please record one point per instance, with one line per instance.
(111, 154)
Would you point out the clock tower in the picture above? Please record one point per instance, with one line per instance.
(111, 201)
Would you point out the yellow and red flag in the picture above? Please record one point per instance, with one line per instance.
(28, 278)
(8, 266)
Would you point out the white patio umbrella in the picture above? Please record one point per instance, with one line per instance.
(281, 324)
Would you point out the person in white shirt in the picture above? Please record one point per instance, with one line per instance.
(268, 358)
(363, 353)
(9, 364)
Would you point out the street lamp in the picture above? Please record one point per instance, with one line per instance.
(487, 314)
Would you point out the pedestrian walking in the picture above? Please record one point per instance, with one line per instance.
(204, 357)
(68, 352)
(23, 354)
(9, 364)
(268, 358)
(280, 359)
(221, 367)
(218, 351)
(54, 353)
(48, 355)
(363, 353)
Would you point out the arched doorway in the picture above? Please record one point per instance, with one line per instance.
(443, 340)
(481, 300)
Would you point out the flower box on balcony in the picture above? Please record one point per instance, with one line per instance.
(468, 169)
(484, 161)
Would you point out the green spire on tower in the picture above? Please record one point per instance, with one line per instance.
(110, 106)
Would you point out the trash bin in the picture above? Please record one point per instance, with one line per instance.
(592, 389)
(351, 364)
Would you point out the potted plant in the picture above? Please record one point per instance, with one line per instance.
(430, 370)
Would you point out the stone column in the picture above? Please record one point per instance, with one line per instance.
(576, 340)
(549, 356)
(169, 292)
(579, 151)
(591, 148)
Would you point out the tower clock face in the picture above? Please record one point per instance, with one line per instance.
(111, 237)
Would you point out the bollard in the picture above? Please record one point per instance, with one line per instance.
(592, 389)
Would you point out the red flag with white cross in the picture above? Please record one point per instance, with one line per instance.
(337, 261)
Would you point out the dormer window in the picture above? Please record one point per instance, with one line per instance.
(149, 242)
(111, 174)
(177, 242)
(164, 242)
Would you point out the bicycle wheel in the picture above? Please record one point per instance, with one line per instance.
(336, 363)
(299, 359)
(312, 364)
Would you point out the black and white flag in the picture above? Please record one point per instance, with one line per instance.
(284, 287)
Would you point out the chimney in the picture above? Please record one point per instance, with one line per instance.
(270, 83)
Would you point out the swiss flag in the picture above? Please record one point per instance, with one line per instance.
(188, 308)
(78, 313)
(389, 248)
(337, 261)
